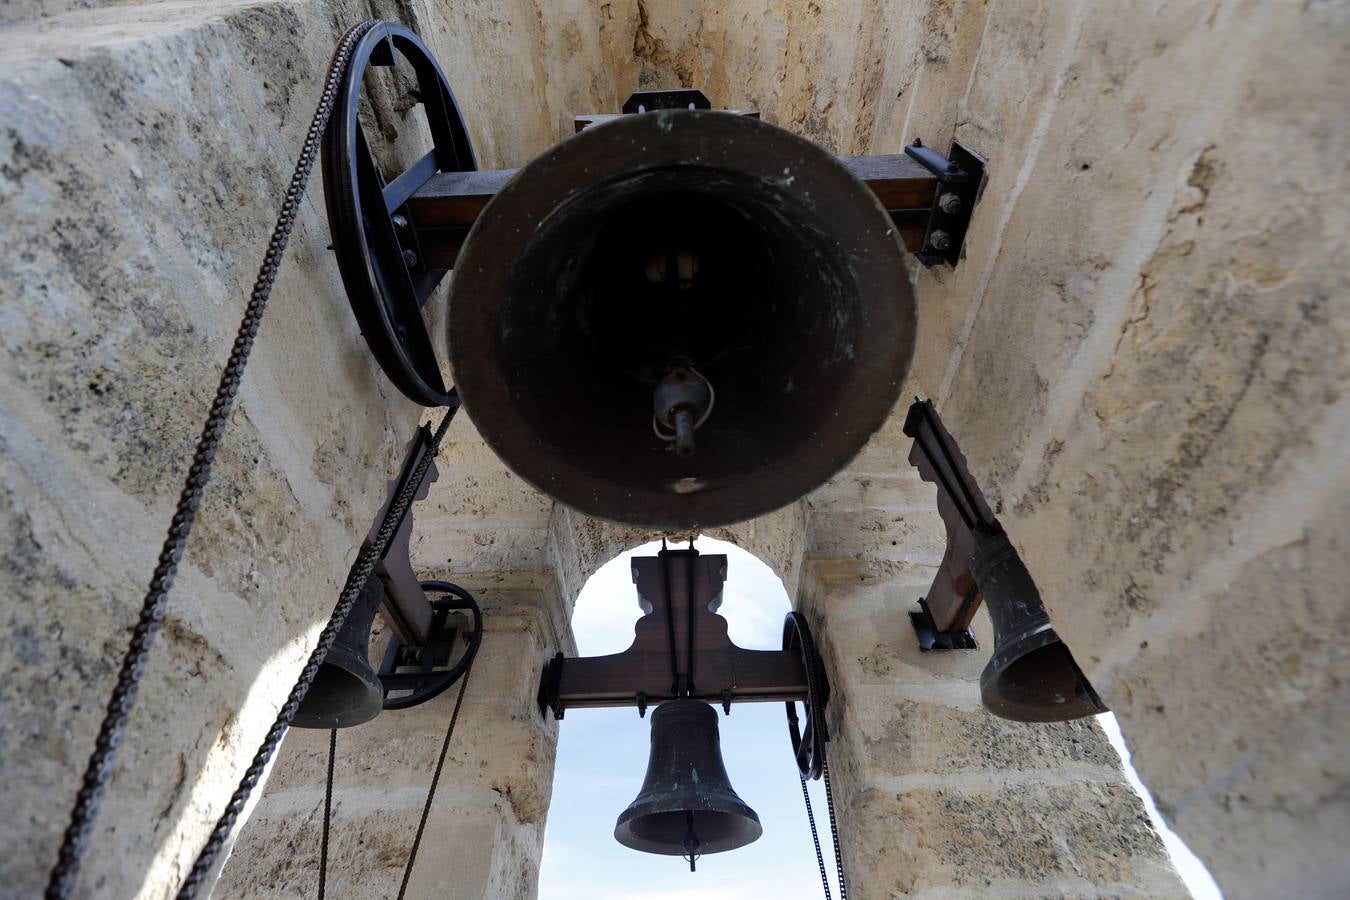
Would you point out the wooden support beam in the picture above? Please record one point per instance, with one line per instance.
(954, 597)
(445, 208)
(680, 648)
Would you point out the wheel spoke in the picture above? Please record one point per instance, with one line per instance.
(395, 283)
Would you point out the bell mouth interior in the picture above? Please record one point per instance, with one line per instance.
(701, 264)
(1044, 685)
(339, 698)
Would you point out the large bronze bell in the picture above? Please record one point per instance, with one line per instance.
(686, 806)
(346, 691)
(1032, 676)
(681, 318)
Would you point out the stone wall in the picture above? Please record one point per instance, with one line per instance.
(144, 150)
(1143, 353)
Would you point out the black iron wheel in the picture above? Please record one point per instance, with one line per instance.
(413, 688)
(808, 733)
(377, 253)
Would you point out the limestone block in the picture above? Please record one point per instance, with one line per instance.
(1157, 400)
(940, 738)
(1031, 840)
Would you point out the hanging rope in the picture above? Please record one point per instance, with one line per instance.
(90, 797)
(435, 779)
(327, 813)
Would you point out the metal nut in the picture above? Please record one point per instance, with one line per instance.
(940, 240)
(950, 204)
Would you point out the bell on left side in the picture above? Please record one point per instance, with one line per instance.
(346, 691)
(687, 806)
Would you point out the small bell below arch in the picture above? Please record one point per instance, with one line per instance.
(687, 806)
(1032, 676)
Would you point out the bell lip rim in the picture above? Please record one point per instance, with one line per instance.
(658, 849)
(366, 711)
(572, 485)
(1032, 639)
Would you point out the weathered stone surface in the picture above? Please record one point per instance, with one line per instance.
(1024, 840)
(137, 191)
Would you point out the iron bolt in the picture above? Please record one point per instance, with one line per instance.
(400, 222)
(940, 240)
(409, 258)
(950, 204)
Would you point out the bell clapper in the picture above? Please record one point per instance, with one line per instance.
(682, 402)
(691, 841)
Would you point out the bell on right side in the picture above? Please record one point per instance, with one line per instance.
(1032, 676)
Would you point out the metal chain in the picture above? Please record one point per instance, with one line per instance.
(834, 830)
(818, 763)
(435, 779)
(815, 839)
(327, 812)
(90, 796)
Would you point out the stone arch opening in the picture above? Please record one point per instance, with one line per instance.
(579, 545)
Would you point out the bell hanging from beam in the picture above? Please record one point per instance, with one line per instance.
(681, 318)
(687, 806)
(347, 691)
(1032, 676)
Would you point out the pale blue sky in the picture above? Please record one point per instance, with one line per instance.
(602, 756)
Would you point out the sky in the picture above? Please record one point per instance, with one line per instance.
(602, 757)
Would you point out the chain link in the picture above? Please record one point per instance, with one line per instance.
(834, 830)
(87, 802)
(815, 839)
(813, 753)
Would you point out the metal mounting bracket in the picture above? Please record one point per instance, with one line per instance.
(677, 98)
(931, 638)
(960, 179)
